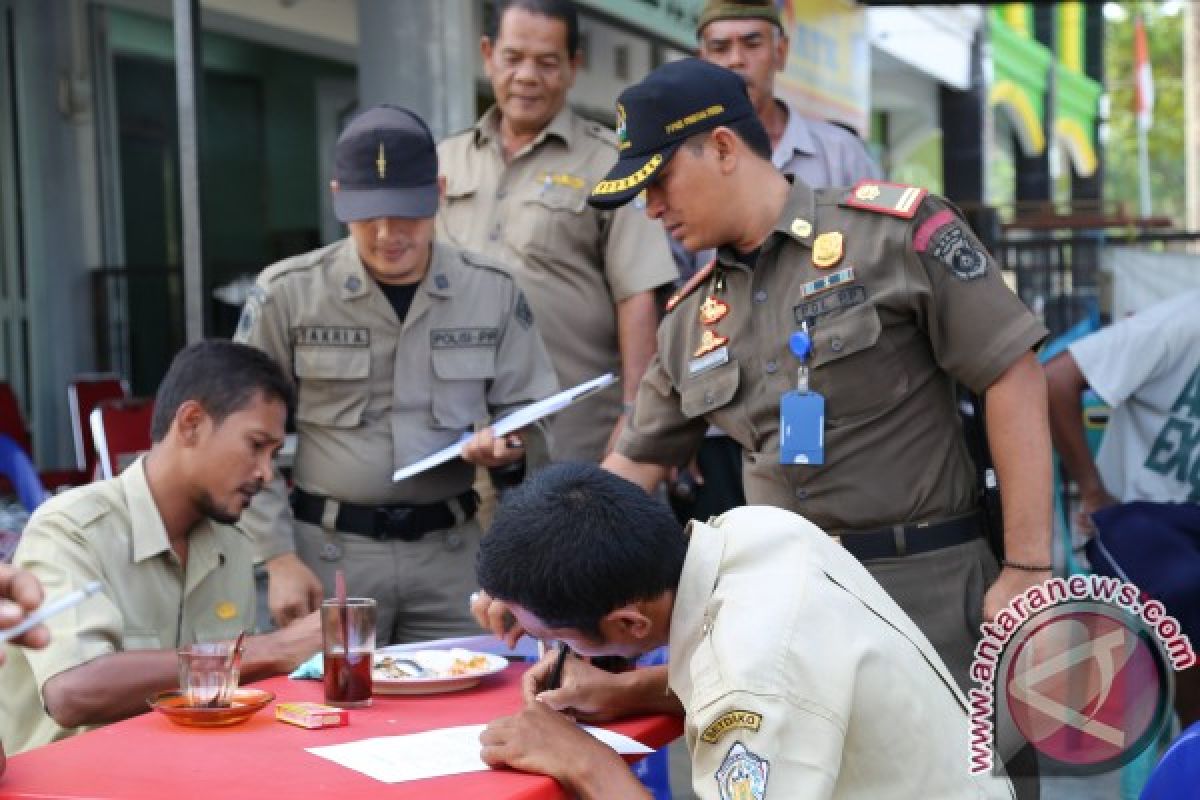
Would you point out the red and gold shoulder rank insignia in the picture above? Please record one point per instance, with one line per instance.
(689, 287)
(895, 199)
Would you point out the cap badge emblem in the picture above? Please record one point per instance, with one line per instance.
(622, 128)
(381, 163)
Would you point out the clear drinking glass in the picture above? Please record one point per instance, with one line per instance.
(348, 647)
(207, 674)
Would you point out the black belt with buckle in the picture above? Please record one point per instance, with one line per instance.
(907, 540)
(385, 523)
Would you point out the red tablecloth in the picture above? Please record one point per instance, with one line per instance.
(151, 757)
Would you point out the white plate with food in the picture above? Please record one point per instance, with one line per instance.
(432, 671)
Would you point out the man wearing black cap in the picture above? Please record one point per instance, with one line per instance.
(398, 346)
(826, 340)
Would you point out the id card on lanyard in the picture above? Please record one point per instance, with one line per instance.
(802, 412)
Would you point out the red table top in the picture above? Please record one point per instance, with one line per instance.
(149, 756)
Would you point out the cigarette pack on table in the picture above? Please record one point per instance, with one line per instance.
(312, 715)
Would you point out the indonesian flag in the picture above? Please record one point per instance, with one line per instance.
(1143, 77)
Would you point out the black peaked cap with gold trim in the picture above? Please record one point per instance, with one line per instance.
(654, 117)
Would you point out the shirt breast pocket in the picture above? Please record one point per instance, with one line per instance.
(331, 384)
(855, 366)
(458, 212)
(552, 220)
(136, 639)
(709, 392)
(460, 384)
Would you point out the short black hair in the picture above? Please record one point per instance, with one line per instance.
(575, 542)
(751, 131)
(554, 9)
(222, 376)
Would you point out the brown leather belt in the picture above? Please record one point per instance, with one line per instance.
(386, 523)
(907, 540)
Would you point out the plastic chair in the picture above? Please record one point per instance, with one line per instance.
(84, 393)
(121, 430)
(1178, 773)
(16, 466)
(12, 425)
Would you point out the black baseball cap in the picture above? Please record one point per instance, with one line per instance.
(385, 163)
(654, 117)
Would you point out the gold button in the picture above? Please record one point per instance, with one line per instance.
(801, 228)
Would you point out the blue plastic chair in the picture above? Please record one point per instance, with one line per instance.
(1178, 773)
(16, 466)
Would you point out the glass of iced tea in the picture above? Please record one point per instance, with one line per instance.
(348, 636)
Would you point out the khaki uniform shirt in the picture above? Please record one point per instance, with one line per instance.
(801, 678)
(574, 262)
(893, 326)
(373, 394)
(112, 532)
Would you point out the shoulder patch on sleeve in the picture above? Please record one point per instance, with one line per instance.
(958, 252)
(730, 721)
(894, 199)
(742, 775)
(698, 278)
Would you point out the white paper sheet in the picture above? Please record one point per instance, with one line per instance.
(446, 751)
(511, 423)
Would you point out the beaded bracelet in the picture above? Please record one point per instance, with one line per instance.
(1027, 567)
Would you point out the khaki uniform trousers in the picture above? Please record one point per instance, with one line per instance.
(422, 588)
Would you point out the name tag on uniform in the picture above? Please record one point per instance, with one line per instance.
(331, 337)
(830, 281)
(443, 338)
(802, 428)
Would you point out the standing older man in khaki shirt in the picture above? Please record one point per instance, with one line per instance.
(517, 188)
(162, 541)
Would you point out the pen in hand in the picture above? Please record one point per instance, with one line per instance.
(47, 610)
(554, 680)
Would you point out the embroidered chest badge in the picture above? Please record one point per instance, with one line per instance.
(742, 775)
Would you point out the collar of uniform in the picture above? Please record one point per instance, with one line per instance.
(351, 273)
(562, 127)
(147, 531)
(706, 549)
(441, 279)
(798, 218)
(149, 535)
(797, 137)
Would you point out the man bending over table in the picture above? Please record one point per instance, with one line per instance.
(799, 677)
(161, 538)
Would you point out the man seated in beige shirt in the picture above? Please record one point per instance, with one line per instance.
(162, 540)
(798, 676)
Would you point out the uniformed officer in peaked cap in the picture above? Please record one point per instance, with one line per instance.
(398, 346)
(826, 339)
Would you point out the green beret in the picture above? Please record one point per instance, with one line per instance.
(738, 9)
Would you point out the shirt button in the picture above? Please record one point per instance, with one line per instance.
(835, 344)
(501, 194)
(801, 494)
(760, 296)
(772, 366)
